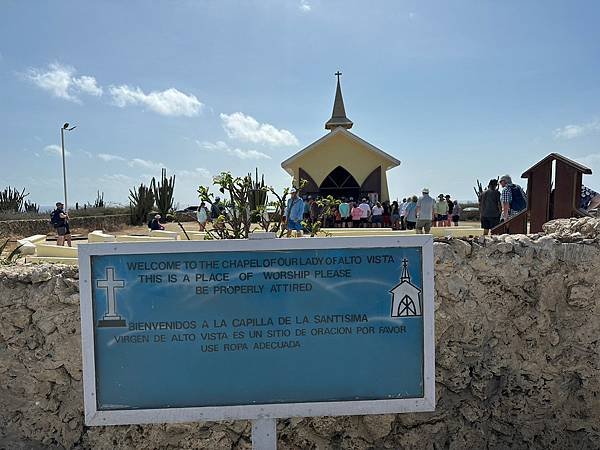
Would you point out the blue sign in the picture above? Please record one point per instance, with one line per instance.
(197, 329)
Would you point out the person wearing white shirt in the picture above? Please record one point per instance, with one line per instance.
(377, 215)
(366, 213)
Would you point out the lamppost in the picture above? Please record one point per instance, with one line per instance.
(62, 141)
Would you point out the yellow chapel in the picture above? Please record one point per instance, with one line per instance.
(340, 163)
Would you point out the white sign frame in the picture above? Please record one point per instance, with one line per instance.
(261, 411)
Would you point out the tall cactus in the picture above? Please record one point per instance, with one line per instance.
(11, 199)
(163, 193)
(141, 201)
(31, 207)
(257, 196)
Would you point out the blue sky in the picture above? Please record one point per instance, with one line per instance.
(456, 90)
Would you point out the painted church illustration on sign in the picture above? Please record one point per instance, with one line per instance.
(342, 164)
(407, 300)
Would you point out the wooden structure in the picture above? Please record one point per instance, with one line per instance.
(545, 203)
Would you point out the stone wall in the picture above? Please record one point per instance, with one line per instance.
(517, 362)
(24, 228)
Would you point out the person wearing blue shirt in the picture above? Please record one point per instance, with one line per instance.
(293, 213)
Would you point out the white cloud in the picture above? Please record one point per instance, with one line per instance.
(169, 102)
(592, 160)
(88, 85)
(108, 157)
(145, 164)
(305, 6)
(60, 81)
(248, 129)
(55, 150)
(222, 147)
(197, 172)
(575, 131)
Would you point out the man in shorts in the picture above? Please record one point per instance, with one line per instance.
(293, 213)
(424, 212)
(441, 211)
(60, 222)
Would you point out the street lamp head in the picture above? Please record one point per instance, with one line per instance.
(66, 127)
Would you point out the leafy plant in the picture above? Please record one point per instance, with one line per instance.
(12, 256)
(245, 200)
(235, 220)
(11, 199)
(141, 201)
(327, 207)
(163, 193)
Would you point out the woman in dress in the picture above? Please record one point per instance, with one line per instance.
(456, 210)
(202, 216)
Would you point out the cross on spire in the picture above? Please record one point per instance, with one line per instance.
(337, 74)
(405, 275)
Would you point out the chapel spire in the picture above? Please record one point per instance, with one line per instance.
(338, 116)
(405, 275)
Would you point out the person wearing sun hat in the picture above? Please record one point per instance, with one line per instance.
(424, 212)
(441, 211)
(293, 213)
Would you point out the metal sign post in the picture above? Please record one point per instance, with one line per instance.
(264, 434)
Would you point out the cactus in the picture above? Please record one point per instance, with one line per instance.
(31, 207)
(12, 200)
(257, 196)
(163, 193)
(141, 201)
(99, 203)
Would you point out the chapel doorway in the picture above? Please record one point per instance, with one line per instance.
(340, 183)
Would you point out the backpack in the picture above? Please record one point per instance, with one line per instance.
(55, 219)
(518, 202)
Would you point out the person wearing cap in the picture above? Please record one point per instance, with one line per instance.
(489, 207)
(292, 215)
(425, 211)
(512, 198)
(155, 223)
(60, 221)
(441, 211)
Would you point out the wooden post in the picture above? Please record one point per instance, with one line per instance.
(538, 196)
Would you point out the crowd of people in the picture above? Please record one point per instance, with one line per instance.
(412, 213)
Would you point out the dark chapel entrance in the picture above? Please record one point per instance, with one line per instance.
(340, 183)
